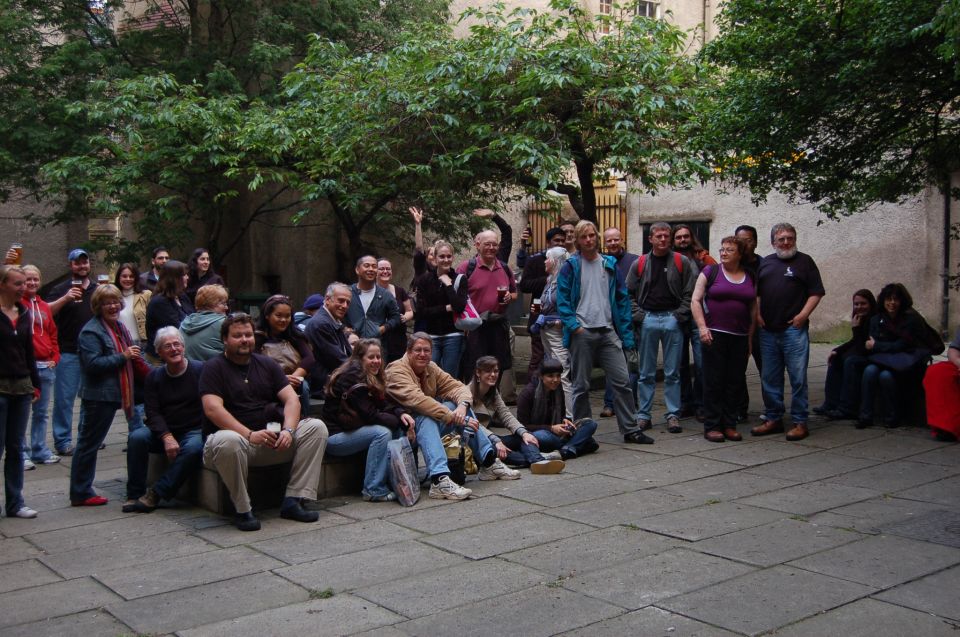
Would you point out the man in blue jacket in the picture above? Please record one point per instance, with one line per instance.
(593, 304)
(373, 310)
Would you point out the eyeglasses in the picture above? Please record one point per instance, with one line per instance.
(171, 346)
(112, 304)
(723, 250)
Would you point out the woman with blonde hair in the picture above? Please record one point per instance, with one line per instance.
(46, 351)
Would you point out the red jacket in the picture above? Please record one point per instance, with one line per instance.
(45, 345)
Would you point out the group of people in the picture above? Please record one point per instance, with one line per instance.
(228, 392)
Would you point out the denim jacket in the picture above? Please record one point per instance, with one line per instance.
(100, 363)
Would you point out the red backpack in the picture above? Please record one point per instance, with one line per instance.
(642, 263)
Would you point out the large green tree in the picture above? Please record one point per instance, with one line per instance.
(144, 118)
(525, 102)
(841, 103)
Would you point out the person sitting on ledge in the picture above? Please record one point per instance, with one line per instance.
(252, 417)
(174, 417)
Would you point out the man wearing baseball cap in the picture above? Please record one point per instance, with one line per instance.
(70, 306)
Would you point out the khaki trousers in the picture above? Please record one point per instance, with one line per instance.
(230, 454)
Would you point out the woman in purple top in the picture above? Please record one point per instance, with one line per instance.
(723, 306)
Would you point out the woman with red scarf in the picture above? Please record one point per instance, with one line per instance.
(110, 362)
(942, 386)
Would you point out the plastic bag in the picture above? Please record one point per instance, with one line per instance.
(403, 472)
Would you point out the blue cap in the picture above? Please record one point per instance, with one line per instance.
(313, 302)
(76, 253)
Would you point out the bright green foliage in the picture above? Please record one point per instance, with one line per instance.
(842, 103)
(527, 102)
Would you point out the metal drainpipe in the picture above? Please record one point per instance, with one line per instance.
(945, 304)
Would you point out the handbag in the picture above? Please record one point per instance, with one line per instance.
(284, 353)
(469, 319)
(900, 361)
(347, 416)
(403, 471)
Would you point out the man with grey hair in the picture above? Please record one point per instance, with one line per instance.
(595, 309)
(789, 288)
(661, 286)
(174, 415)
(491, 287)
(328, 336)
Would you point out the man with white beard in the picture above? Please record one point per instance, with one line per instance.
(789, 288)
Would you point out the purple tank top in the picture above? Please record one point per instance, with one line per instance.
(728, 304)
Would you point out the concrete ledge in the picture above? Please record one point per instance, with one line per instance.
(339, 475)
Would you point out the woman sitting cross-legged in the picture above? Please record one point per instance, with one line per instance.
(519, 448)
(541, 408)
(359, 416)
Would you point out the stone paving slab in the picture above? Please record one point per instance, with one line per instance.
(53, 600)
(890, 447)
(764, 600)
(535, 612)
(895, 476)
(372, 566)
(940, 527)
(869, 560)
(133, 552)
(16, 549)
(272, 526)
(749, 454)
(945, 492)
(193, 570)
(61, 519)
(574, 489)
(493, 538)
(611, 457)
(807, 499)
(338, 615)
(776, 543)
(86, 624)
(344, 538)
(727, 486)
(645, 581)
(440, 589)
(25, 574)
(872, 618)
(812, 467)
(708, 521)
(948, 455)
(832, 435)
(672, 471)
(354, 508)
(463, 514)
(592, 551)
(649, 622)
(935, 594)
(626, 508)
(195, 606)
(870, 515)
(108, 532)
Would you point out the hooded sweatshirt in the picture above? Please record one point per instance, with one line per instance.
(201, 335)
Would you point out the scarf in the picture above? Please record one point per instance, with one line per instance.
(121, 341)
(548, 406)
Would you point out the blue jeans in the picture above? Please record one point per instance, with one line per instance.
(370, 438)
(657, 328)
(580, 443)
(447, 350)
(873, 376)
(142, 443)
(97, 416)
(37, 450)
(429, 433)
(521, 454)
(135, 420)
(788, 350)
(848, 396)
(14, 413)
(65, 391)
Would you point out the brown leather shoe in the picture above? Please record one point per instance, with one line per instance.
(714, 436)
(607, 412)
(799, 432)
(732, 434)
(768, 427)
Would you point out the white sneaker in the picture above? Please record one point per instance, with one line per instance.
(53, 459)
(25, 512)
(447, 489)
(547, 467)
(28, 465)
(498, 471)
(553, 455)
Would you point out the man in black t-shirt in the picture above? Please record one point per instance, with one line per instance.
(789, 288)
(252, 417)
(70, 306)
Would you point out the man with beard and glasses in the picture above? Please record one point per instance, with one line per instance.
(789, 288)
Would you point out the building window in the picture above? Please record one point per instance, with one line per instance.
(648, 9)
